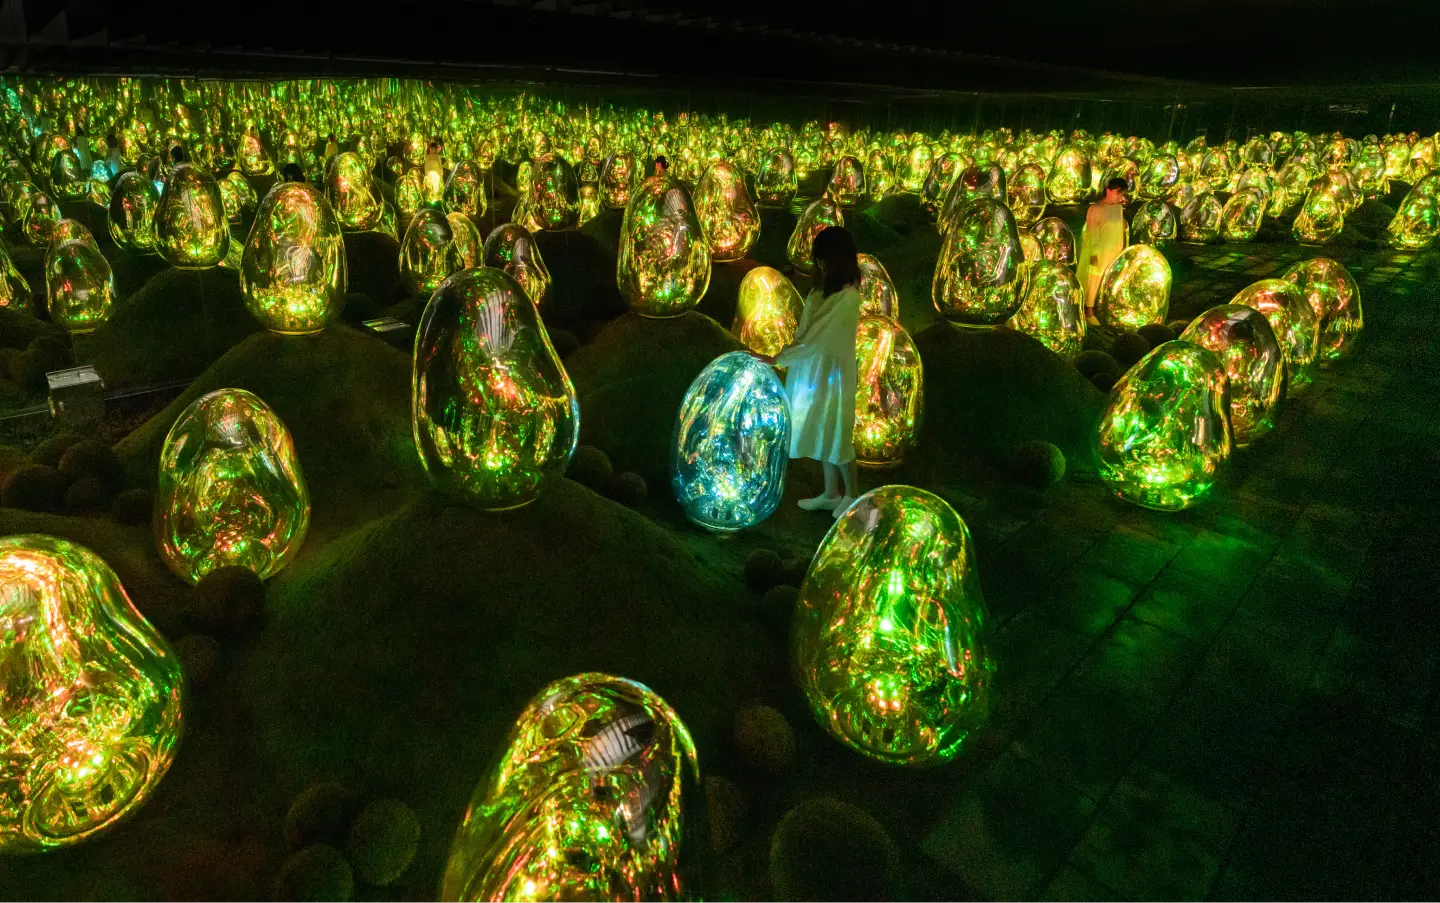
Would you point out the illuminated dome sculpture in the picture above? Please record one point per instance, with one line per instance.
(728, 216)
(847, 182)
(877, 290)
(663, 268)
(819, 215)
(776, 181)
(1154, 224)
(889, 392)
(1242, 339)
(465, 189)
(79, 285)
(1416, 221)
(1057, 242)
(618, 178)
(511, 248)
(1242, 215)
(554, 199)
(1052, 308)
(914, 167)
(767, 311)
(1294, 323)
(1135, 290)
(1200, 218)
(192, 231)
(1334, 298)
(352, 193)
(1069, 179)
(293, 267)
(976, 281)
(1026, 195)
(427, 253)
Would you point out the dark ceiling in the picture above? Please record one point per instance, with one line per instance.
(1118, 46)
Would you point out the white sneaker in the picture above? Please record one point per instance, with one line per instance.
(842, 505)
(819, 503)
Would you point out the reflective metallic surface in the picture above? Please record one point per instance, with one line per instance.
(1242, 215)
(293, 269)
(847, 182)
(767, 311)
(877, 291)
(493, 409)
(663, 267)
(1053, 308)
(1026, 195)
(1069, 178)
(79, 285)
(192, 231)
(90, 711)
(1334, 296)
(1416, 221)
(132, 212)
(1321, 218)
(230, 490)
(588, 802)
(465, 189)
(1200, 218)
(1057, 242)
(1135, 290)
(554, 199)
(352, 193)
(729, 217)
(427, 253)
(889, 392)
(618, 178)
(776, 181)
(1154, 224)
(819, 215)
(511, 248)
(1294, 322)
(731, 444)
(976, 281)
(1254, 364)
(890, 635)
(1164, 439)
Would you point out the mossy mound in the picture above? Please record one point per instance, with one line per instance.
(582, 277)
(133, 270)
(870, 234)
(344, 396)
(372, 265)
(900, 212)
(18, 329)
(825, 849)
(631, 380)
(911, 265)
(478, 611)
(383, 841)
(723, 294)
(604, 228)
(181, 322)
(1002, 387)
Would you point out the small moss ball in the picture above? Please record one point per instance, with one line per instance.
(1104, 381)
(824, 849)
(52, 352)
(360, 307)
(1038, 464)
(52, 450)
(319, 814)
(134, 506)
(199, 655)
(1091, 362)
(779, 601)
(229, 600)
(628, 488)
(383, 842)
(565, 342)
(725, 804)
(1178, 326)
(1157, 334)
(7, 360)
(764, 569)
(86, 495)
(11, 395)
(589, 466)
(1129, 347)
(28, 372)
(764, 739)
(795, 570)
(34, 487)
(91, 458)
(317, 872)
(11, 460)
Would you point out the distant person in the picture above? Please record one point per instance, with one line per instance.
(821, 379)
(662, 166)
(113, 161)
(433, 184)
(332, 147)
(178, 155)
(1103, 241)
(81, 146)
(293, 173)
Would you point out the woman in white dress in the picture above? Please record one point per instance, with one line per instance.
(821, 378)
(1103, 241)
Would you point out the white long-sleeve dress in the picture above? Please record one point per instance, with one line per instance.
(1103, 239)
(821, 378)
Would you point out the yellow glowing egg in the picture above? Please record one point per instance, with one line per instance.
(1052, 309)
(1242, 215)
(879, 176)
(293, 267)
(1254, 365)
(976, 280)
(776, 181)
(79, 285)
(847, 181)
(410, 192)
(352, 193)
(554, 199)
(230, 491)
(191, 229)
(67, 176)
(1294, 322)
(1154, 224)
(1321, 217)
(1416, 221)
(767, 310)
(1334, 297)
(618, 177)
(39, 219)
(877, 291)
(819, 215)
(1069, 178)
(663, 268)
(1200, 218)
(465, 189)
(252, 156)
(237, 197)
(729, 217)
(14, 290)
(1057, 242)
(427, 253)
(1135, 290)
(511, 248)
(914, 168)
(889, 392)
(1026, 194)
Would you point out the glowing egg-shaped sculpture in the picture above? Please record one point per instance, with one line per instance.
(554, 200)
(776, 180)
(92, 706)
(976, 281)
(1069, 178)
(469, 245)
(79, 285)
(1293, 321)
(1241, 216)
(1057, 242)
(889, 392)
(1254, 364)
(230, 490)
(729, 217)
(511, 248)
(244, 199)
(663, 268)
(618, 177)
(1215, 167)
(293, 269)
(914, 168)
(890, 636)
(731, 444)
(767, 310)
(68, 230)
(1135, 290)
(1164, 438)
(1200, 218)
(252, 156)
(37, 225)
(14, 289)
(973, 182)
(1026, 194)
(877, 290)
(1334, 297)
(465, 189)
(847, 182)
(588, 801)
(352, 193)
(67, 176)
(191, 229)
(409, 192)
(427, 253)
(1053, 308)
(589, 203)
(1416, 222)
(819, 215)
(1030, 246)
(945, 169)
(1321, 217)
(1158, 177)
(879, 176)
(1369, 172)
(493, 409)
(1154, 224)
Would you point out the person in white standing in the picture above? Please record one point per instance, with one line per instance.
(1103, 241)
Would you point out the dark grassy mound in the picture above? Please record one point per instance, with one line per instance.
(181, 322)
(911, 265)
(723, 294)
(631, 380)
(900, 212)
(478, 611)
(373, 266)
(18, 329)
(605, 229)
(871, 235)
(344, 396)
(132, 271)
(775, 228)
(582, 276)
(1000, 387)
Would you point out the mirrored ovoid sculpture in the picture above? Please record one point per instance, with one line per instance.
(1254, 364)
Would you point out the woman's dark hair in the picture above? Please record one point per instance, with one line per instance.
(177, 154)
(661, 162)
(836, 249)
(1117, 184)
(293, 173)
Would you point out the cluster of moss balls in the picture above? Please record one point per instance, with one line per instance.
(591, 467)
(378, 843)
(22, 371)
(62, 474)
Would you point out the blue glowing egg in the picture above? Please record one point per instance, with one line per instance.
(732, 444)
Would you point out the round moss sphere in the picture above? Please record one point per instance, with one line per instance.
(360, 307)
(54, 353)
(1091, 362)
(52, 450)
(1104, 381)
(229, 600)
(1178, 326)
(590, 467)
(199, 655)
(34, 487)
(11, 395)
(1157, 334)
(824, 849)
(764, 739)
(1038, 463)
(1129, 347)
(763, 569)
(7, 360)
(779, 601)
(28, 372)
(91, 458)
(795, 570)
(628, 488)
(134, 506)
(11, 460)
(86, 495)
(725, 805)
(319, 814)
(383, 842)
(565, 342)
(317, 872)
